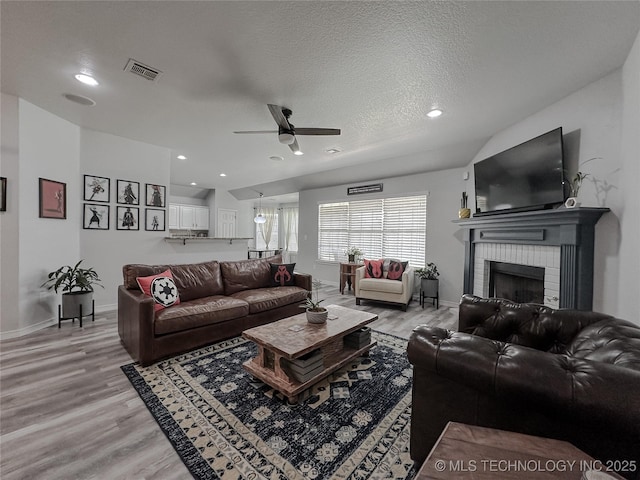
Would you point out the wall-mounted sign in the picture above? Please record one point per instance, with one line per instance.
(376, 187)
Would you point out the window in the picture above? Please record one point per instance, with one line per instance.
(387, 227)
(267, 233)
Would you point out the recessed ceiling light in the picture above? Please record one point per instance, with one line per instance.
(298, 152)
(434, 113)
(181, 157)
(223, 174)
(193, 184)
(87, 79)
(276, 158)
(332, 150)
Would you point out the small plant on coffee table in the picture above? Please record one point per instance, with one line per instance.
(315, 313)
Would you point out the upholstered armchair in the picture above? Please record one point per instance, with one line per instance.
(565, 374)
(384, 289)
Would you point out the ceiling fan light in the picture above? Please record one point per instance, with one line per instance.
(286, 138)
(298, 152)
(260, 218)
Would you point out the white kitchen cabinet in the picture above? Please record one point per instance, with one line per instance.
(190, 217)
(174, 216)
(201, 218)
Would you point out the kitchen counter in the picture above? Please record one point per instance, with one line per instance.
(184, 239)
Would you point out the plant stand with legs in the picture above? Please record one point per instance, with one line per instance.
(79, 316)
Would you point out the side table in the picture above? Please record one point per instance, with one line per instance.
(478, 453)
(348, 274)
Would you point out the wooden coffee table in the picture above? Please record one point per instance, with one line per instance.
(294, 337)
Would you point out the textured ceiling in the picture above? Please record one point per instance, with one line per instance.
(372, 69)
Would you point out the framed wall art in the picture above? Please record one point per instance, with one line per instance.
(3, 194)
(96, 189)
(127, 218)
(53, 199)
(95, 216)
(154, 220)
(128, 192)
(155, 195)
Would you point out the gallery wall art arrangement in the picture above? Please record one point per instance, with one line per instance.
(97, 194)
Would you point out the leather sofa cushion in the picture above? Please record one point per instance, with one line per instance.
(198, 313)
(263, 299)
(527, 324)
(194, 280)
(614, 341)
(247, 274)
(380, 285)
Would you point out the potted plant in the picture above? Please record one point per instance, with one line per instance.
(352, 253)
(428, 279)
(76, 284)
(315, 313)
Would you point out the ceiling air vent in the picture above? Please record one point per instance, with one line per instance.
(142, 70)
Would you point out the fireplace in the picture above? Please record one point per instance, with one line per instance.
(560, 242)
(520, 283)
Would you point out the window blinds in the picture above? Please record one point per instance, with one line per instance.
(387, 227)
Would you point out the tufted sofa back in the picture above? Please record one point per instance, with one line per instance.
(527, 324)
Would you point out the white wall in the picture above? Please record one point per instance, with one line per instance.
(49, 147)
(591, 119)
(9, 220)
(444, 247)
(629, 273)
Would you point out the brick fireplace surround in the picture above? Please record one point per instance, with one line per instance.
(561, 241)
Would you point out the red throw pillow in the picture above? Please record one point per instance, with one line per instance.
(161, 288)
(282, 274)
(396, 269)
(373, 268)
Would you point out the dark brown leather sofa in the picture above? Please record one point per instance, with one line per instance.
(218, 300)
(565, 374)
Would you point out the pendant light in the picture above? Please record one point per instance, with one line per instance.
(260, 218)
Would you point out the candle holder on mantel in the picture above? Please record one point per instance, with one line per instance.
(464, 212)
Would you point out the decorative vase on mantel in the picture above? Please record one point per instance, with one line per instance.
(317, 317)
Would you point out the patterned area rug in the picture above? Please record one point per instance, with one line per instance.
(224, 424)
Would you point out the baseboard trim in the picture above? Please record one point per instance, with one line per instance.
(21, 332)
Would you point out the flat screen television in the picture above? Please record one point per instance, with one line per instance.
(525, 177)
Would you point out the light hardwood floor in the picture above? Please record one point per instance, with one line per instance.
(68, 411)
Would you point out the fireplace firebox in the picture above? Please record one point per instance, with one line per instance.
(519, 283)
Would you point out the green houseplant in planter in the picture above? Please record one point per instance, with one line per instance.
(76, 284)
(429, 285)
(353, 253)
(315, 313)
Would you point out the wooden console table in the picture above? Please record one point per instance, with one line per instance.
(348, 274)
(468, 451)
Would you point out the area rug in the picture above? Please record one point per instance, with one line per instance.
(225, 424)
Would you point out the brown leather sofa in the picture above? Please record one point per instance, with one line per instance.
(218, 300)
(565, 374)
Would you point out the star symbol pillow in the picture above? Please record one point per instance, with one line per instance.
(161, 288)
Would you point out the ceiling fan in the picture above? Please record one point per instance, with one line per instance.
(287, 132)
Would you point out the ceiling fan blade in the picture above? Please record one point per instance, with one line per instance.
(258, 131)
(295, 148)
(317, 131)
(278, 116)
